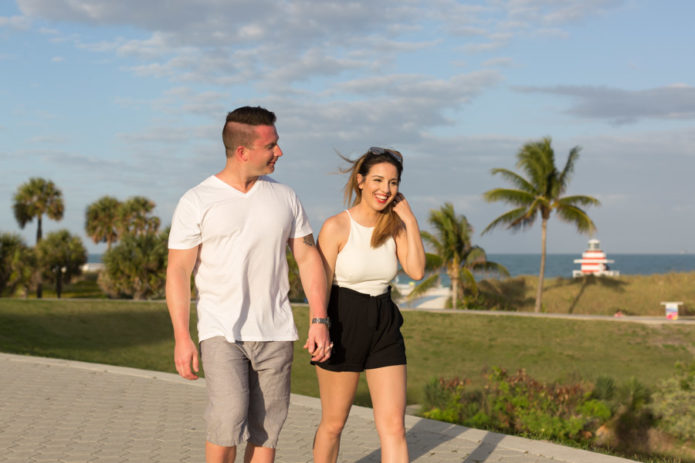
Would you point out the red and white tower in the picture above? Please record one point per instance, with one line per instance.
(594, 262)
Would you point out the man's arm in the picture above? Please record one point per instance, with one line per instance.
(178, 293)
(313, 278)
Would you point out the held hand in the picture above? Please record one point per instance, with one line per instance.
(402, 208)
(185, 356)
(318, 342)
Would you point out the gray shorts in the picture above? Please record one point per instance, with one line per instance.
(248, 390)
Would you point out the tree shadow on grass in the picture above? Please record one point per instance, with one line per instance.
(585, 282)
(504, 294)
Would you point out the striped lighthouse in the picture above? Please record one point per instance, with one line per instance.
(594, 262)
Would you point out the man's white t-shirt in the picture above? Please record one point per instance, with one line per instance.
(241, 273)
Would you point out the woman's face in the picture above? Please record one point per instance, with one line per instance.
(379, 186)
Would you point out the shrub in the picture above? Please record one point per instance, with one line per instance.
(136, 267)
(60, 256)
(11, 246)
(518, 404)
(674, 403)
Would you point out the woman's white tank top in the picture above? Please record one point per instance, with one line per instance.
(363, 268)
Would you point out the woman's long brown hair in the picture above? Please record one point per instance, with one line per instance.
(388, 224)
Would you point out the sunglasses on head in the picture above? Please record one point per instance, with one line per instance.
(376, 151)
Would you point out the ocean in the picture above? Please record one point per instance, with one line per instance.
(561, 265)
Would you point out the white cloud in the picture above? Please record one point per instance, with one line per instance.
(555, 11)
(340, 77)
(230, 43)
(625, 106)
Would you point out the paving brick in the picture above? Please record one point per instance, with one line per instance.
(70, 412)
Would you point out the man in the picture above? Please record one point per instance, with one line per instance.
(233, 230)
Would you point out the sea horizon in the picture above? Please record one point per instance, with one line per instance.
(562, 264)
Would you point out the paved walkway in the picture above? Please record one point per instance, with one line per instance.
(59, 411)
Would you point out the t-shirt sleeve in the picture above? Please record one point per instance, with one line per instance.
(300, 226)
(185, 225)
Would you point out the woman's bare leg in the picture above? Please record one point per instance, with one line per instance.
(337, 391)
(387, 386)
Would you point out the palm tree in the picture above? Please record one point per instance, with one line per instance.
(34, 199)
(539, 194)
(454, 254)
(102, 220)
(133, 217)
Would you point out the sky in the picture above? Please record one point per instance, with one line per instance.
(128, 98)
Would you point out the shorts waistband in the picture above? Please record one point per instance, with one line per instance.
(386, 295)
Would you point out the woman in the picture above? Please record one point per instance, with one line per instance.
(361, 248)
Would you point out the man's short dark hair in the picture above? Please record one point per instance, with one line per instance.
(252, 116)
(238, 131)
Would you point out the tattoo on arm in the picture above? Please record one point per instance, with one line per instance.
(309, 240)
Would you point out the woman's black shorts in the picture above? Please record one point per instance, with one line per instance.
(365, 331)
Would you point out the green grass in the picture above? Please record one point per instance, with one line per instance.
(631, 294)
(126, 333)
(84, 286)
(138, 334)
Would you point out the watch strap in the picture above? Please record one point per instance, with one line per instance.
(325, 321)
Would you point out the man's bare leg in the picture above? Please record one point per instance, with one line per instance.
(218, 454)
(256, 454)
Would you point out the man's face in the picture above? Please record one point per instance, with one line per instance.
(264, 150)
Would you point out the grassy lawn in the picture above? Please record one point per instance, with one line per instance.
(631, 294)
(138, 334)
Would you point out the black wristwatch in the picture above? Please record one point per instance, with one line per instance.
(326, 321)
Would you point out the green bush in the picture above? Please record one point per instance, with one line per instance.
(136, 267)
(674, 403)
(443, 399)
(60, 256)
(518, 404)
(17, 264)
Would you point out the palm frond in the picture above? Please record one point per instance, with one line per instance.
(431, 240)
(433, 262)
(424, 286)
(475, 255)
(492, 267)
(515, 179)
(577, 217)
(578, 200)
(566, 174)
(537, 159)
(468, 280)
(508, 218)
(516, 197)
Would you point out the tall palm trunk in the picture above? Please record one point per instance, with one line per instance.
(59, 283)
(454, 277)
(39, 234)
(454, 289)
(541, 274)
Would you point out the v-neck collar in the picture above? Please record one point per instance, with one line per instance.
(253, 188)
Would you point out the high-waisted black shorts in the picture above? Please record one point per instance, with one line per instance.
(365, 331)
